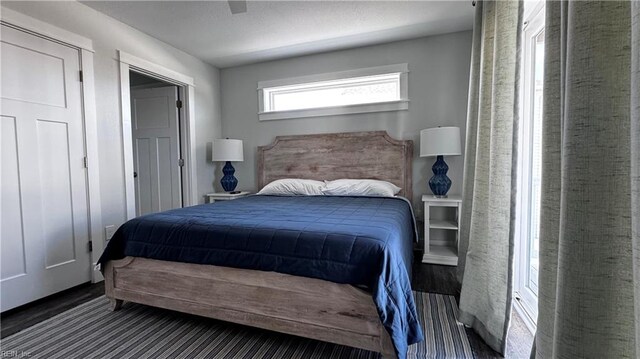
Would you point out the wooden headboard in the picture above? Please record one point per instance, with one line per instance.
(332, 156)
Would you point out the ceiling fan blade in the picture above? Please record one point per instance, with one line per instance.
(237, 6)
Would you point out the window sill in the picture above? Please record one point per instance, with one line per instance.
(337, 110)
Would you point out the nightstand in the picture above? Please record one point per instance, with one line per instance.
(441, 252)
(225, 196)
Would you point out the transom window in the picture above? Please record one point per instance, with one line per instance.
(351, 91)
(356, 91)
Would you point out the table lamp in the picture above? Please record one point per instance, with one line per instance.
(227, 150)
(440, 142)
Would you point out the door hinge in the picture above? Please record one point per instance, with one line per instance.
(179, 104)
(90, 246)
(181, 162)
(81, 76)
(85, 162)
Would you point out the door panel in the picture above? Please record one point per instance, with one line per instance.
(167, 171)
(13, 260)
(55, 181)
(153, 112)
(142, 164)
(43, 86)
(156, 149)
(44, 216)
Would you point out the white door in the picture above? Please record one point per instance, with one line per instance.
(156, 149)
(44, 213)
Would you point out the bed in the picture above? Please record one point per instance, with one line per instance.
(239, 261)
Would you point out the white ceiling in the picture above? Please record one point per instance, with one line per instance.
(278, 29)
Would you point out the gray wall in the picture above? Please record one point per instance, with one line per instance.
(108, 36)
(438, 86)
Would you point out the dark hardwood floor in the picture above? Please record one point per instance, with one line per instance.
(426, 278)
(434, 278)
(14, 320)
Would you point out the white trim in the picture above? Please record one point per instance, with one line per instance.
(127, 142)
(132, 63)
(399, 105)
(93, 168)
(336, 110)
(155, 69)
(531, 10)
(190, 145)
(42, 29)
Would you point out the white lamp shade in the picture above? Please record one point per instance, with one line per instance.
(440, 141)
(227, 150)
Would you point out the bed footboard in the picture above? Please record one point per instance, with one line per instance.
(307, 307)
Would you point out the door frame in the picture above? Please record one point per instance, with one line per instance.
(84, 46)
(533, 23)
(186, 92)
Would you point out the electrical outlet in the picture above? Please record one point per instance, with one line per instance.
(109, 231)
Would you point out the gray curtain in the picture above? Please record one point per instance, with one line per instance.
(589, 286)
(488, 209)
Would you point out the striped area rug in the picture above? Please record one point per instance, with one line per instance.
(91, 330)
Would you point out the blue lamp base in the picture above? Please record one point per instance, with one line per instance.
(440, 183)
(228, 181)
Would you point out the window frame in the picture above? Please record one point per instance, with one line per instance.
(396, 105)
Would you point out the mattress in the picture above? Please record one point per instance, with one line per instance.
(364, 241)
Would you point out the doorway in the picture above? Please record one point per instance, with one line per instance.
(130, 64)
(156, 108)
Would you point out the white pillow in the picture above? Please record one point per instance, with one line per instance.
(360, 187)
(293, 186)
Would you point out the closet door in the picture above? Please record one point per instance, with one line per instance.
(44, 213)
(156, 149)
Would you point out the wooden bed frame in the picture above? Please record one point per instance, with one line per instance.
(307, 307)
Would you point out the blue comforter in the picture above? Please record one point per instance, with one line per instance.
(354, 240)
